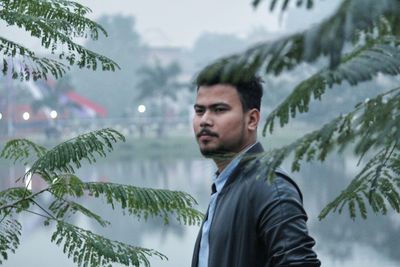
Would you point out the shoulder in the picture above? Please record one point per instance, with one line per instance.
(282, 187)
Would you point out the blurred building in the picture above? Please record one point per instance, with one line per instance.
(42, 107)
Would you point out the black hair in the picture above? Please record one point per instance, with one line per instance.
(248, 85)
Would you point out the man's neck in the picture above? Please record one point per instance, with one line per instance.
(225, 159)
(221, 164)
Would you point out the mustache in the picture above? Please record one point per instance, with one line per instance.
(206, 132)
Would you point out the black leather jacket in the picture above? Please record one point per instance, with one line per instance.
(258, 224)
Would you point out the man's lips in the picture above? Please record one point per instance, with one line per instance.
(203, 138)
(206, 134)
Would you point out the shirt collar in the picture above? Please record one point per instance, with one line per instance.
(220, 178)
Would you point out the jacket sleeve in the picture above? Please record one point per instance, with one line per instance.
(282, 225)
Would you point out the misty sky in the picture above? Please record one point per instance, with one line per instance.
(180, 22)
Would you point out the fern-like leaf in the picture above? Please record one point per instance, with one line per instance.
(21, 150)
(10, 232)
(143, 202)
(56, 24)
(70, 185)
(64, 16)
(67, 156)
(23, 63)
(88, 249)
(380, 56)
(63, 209)
(16, 198)
(67, 184)
(376, 183)
(327, 38)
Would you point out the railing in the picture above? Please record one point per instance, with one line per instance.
(136, 126)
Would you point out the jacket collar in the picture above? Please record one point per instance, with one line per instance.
(255, 149)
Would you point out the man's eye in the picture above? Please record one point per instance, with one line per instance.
(218, 110)
(199, 111)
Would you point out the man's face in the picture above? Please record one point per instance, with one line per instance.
(219, 122)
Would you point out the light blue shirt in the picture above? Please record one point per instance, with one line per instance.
(219, 182)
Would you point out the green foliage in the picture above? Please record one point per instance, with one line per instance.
(89, 249)
(378, 183)
(10, 231)
(68, 155)
(14, 199)
(56, 167)
(20, 149)
(143, 202)
(364, 63)
(347, 24)
(56, 23)
(370, 32)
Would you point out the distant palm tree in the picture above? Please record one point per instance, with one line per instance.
(160, 83)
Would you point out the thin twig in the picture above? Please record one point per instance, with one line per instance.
(38, 214)
(48, 213)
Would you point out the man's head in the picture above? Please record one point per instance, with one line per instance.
(226, 115)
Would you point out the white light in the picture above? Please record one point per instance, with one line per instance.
(26, 116)
(53, 114)
(141, 108)
(1, 116)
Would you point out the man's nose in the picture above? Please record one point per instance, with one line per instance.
(206, 119)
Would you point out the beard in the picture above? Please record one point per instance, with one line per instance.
(223, 151)
(218, 153)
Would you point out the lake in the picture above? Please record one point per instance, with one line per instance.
(340, 240)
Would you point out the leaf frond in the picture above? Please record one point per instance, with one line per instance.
(21, 150)
(23, 63)
(380, 56)
(89, 249)
(145, 202)
(325, 39)
(68, 155)
(30, 14)
(16, 199)
(10, 232)
(56, 24)
(64, 209)
(377, 183)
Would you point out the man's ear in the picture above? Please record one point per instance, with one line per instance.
(253, 116)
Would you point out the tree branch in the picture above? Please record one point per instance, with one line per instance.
(38, 214)
(30, 197)
(48, 213)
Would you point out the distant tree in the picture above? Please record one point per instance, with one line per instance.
(159, 83)
(125, 46)
(360, 40)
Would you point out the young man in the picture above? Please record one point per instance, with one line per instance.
(249, 222)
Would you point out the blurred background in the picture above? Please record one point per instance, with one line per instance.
(160, 46)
